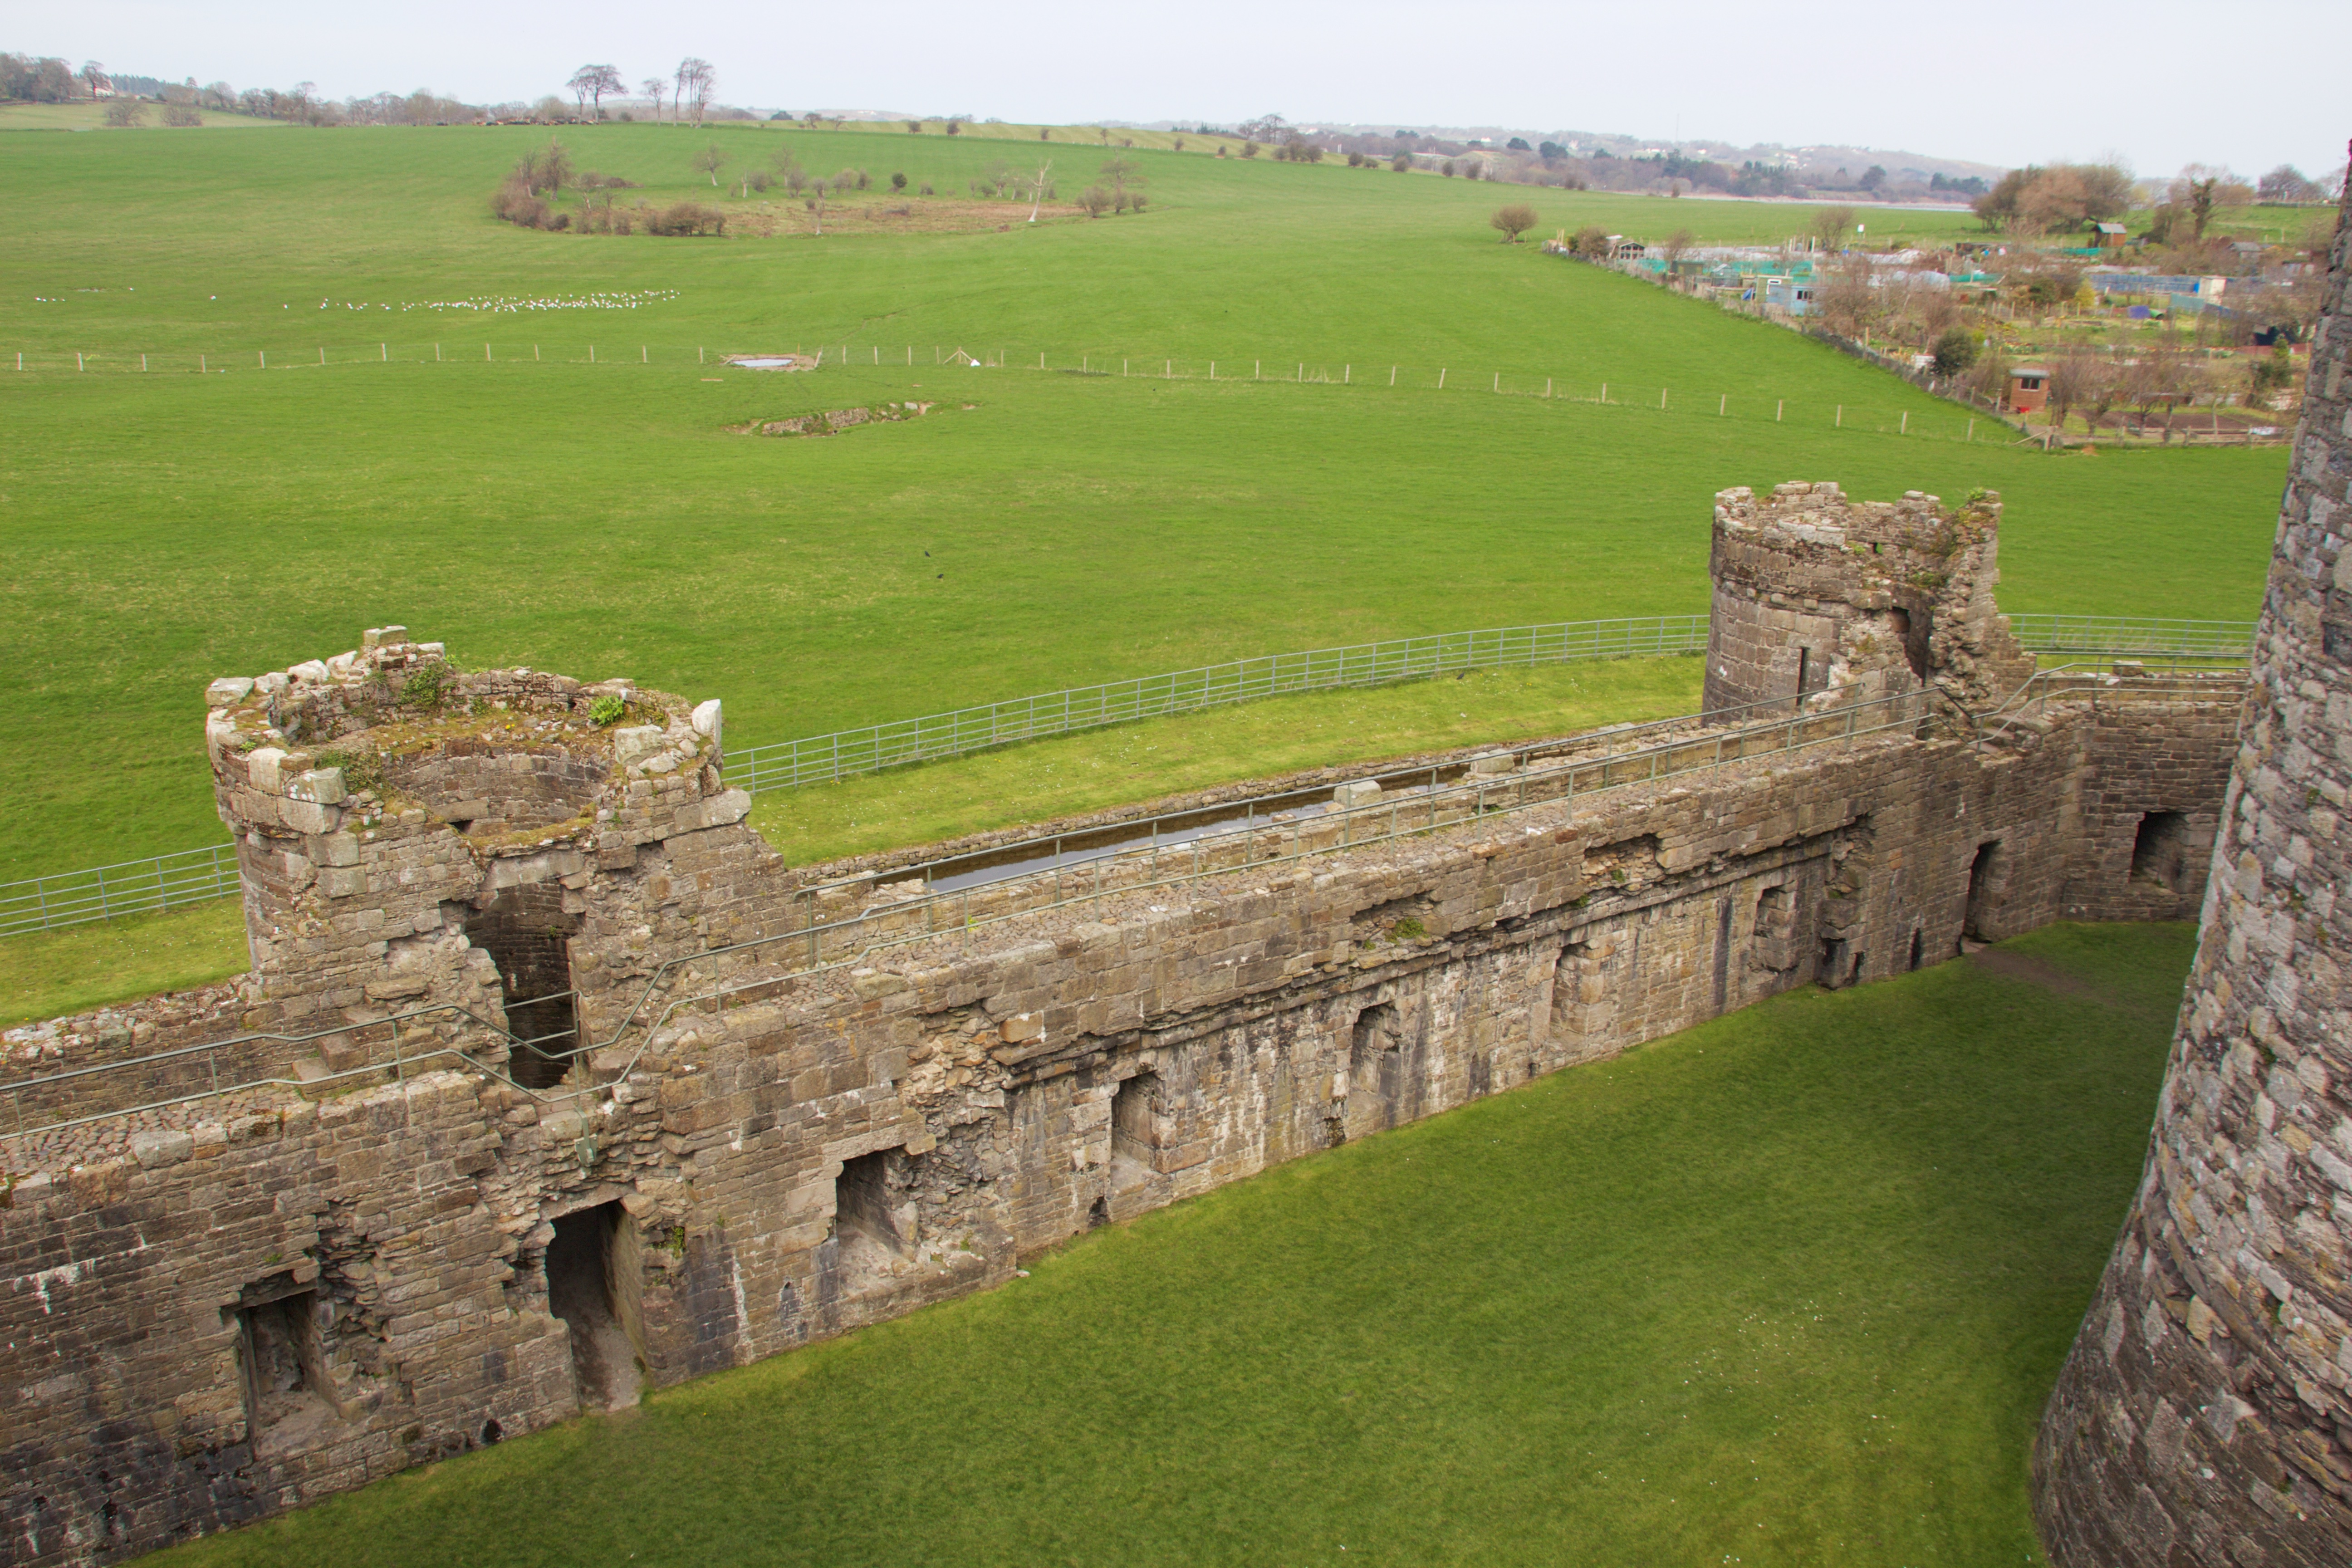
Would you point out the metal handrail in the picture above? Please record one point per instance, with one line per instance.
(200, 875)
(1702, 751)
(822, 759)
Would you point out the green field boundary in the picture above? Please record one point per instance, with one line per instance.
(180, 877)
(1584, 388)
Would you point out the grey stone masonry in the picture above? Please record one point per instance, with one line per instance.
(575, 1095)
(1820, 600)
(2205, 1414)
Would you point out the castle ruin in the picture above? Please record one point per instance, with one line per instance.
(551, 1081)
(2205, 1414)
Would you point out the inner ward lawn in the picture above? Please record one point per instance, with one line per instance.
(1789, 1287)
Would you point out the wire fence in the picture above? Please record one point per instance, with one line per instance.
(2123, 636)
(197, 876)
(1588, 385)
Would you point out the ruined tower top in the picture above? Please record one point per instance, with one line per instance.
(512, 759)
(1818, 599)
(412, 835)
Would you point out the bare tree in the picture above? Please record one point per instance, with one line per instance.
(1037, 188)
(652, 87)
(589, 84)
(789, 170)
(93, 77)
(709, 161)
(1678, 246)
(697, 81)
(125, 110)
(1096, 200)
(1514, 221)
(2074, 376)
(1848, 302)
(914, 128)
(1829, 225)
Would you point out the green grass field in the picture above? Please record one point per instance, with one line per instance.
(596, 518)
(1786, 1289)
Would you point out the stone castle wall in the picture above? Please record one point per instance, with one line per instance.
(2205, 1414)
(1817, 599)
(222, 1309)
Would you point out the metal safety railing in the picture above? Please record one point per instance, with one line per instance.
(1633, 755)
(101, 892)
(821, 945)
(2125, 637)
(849, 753)
(191, 875)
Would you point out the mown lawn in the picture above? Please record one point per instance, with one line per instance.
(1786, 1289)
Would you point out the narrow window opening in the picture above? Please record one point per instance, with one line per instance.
(1918, 950)
(2160, 850)
(283, 1365)
(868, 1203)
(1776, 930)
(1372, 1054)
(1099, 1215)
(1855, 978)
(1804, 670)
(1832, 968)
(1984, 888)
(1135, 1112)
(588, 1289)
(528, 934)
(1913, 635)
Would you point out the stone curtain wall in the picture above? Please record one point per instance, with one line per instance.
(2203, 1417)
(230, 1307)
(862, 1142)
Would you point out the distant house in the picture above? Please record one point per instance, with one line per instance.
(2110, 234)
(1623, 249)
(1791, 294)
(2029, 388)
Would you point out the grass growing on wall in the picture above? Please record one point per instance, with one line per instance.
(1790, 1287)
(596, 520)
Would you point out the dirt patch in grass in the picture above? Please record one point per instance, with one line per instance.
(2033, 972)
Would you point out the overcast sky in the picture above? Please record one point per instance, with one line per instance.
(2163, 82)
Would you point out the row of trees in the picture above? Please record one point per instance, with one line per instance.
(690, 88)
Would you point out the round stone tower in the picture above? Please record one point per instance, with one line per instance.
(1820, 600)
(2205, 1414)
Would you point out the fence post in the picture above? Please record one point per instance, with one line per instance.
(1779, 407)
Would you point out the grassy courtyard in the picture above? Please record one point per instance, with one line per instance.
(1786, 1289)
